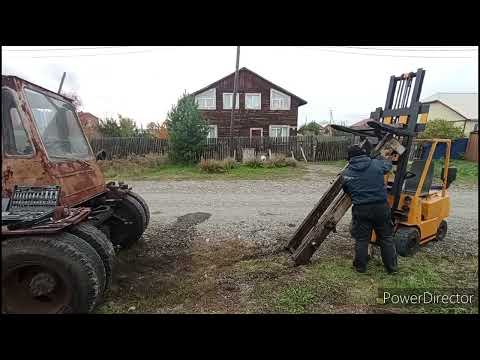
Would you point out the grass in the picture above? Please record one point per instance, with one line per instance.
(330, 285)
(467, 171)
(233, 278)
(131, 170)
(192, 172)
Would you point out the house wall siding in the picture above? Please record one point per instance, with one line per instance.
(244, 119)
(440, 111)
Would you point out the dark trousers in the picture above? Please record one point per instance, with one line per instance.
(364, 219)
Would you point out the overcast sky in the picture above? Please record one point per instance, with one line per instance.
(144, 82)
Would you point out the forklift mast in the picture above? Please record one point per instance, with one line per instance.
(403, 110)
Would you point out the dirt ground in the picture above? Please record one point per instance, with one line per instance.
(217, 247)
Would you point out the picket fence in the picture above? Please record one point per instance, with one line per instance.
(311, 148)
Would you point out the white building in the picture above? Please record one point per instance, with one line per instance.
(461, 108)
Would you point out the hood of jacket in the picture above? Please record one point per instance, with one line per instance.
(359, 163)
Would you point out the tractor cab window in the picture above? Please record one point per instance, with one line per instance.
(14, 137)
(59, 128)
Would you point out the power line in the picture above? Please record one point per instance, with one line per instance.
(390, 55)
(68, 49)
(403, 49)
(79, 55)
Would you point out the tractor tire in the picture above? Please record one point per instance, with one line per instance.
(42, 274)
(125, 235)
(144, 204)
(97, 239)
(407, 241)
(442, 230)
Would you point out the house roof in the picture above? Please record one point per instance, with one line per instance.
(302, 102)
(362, 124)
(465, 104)
(87, 118)
(81, 113)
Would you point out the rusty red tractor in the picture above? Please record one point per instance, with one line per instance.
(61, 223)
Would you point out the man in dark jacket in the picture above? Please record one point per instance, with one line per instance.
(363, 180)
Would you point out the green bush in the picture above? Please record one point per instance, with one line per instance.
(254, 163)
(133, 164)
(276, 161)
(291, 162)
(187, 130)
(441, 129)
(217, 166)
(229, 163)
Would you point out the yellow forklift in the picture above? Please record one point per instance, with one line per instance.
(419, 205)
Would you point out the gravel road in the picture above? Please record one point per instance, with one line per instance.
(265, 213)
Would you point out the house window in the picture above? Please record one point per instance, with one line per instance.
(279, 130)
(212, 132)
(207, 100)
(279, 101)
(256, 132)
(227, 101)
(253, 101)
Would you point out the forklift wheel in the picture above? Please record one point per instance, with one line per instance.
(407, 241)
(442, 230)
(58, 273)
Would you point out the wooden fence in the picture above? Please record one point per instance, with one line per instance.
(315, 148)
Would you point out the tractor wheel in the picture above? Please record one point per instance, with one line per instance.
(42, 274)
(144, 204)
(407, 241)
(442, 230)
(126, 226)
(97, 239)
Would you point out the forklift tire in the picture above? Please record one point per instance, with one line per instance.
(42, 274)
(442, 230)
(407, 241)
(144, 204)
(125, 235)
(97, 239)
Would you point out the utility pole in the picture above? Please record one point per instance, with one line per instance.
(61, 82)
(234, 96)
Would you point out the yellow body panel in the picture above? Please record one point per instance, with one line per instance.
(435, 205)
(424, 213)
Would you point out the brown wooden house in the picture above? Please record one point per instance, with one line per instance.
(89, 124)
(263, 108)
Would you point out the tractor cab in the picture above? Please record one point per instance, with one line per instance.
(43, 143)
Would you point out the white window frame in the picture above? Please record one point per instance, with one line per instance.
(216, 132)
(289, 100)
(237, 105)
(206, 96)
(270, 134)
(259, 103)
(261, 129)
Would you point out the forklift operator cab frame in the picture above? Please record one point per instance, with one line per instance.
(426, 206)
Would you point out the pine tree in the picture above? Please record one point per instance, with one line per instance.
(187, 130)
